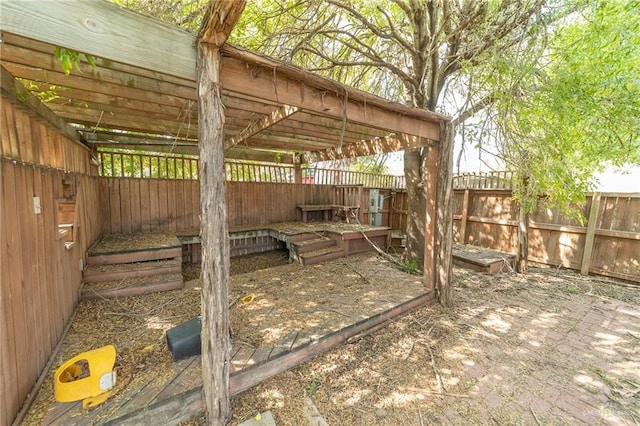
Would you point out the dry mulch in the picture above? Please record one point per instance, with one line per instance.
(318, 298)
(424, 368)
(462, 365)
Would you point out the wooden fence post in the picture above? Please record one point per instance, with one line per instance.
(591, 233)
(463, 219)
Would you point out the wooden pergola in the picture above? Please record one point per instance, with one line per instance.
(157, 87)
(142, 92)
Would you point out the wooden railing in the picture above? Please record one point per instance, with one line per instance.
(483, 180)
(146, 166)
(237, 171)
(321, 176)
(120, 164)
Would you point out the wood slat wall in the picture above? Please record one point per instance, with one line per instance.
(23, 139)
(130, 205)
(40, 278)
(488, 218)
(159, 205)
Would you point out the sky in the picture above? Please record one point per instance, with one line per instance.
(611, 180)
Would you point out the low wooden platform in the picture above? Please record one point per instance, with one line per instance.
(350, 213)
(308, 243)
(338, 311)
(482, 259)
(131, 265)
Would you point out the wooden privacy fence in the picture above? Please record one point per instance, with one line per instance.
(129, 205)
(42, 168)
(607, 244)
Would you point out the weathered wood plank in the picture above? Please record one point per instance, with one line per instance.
(23, 322)
(188, 376)
(96, 29)
(10, 400)
(170, 282)
(179, 408)
(134, 256)
(94, 275)
(14, 90)
(245, 379)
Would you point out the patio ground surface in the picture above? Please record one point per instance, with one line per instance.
(549, 347)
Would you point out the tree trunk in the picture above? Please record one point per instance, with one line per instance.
(444, 218)
(215, 240)
(523, 241)
(414, 172)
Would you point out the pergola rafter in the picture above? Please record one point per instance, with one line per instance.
(148, 85)
(261, 124)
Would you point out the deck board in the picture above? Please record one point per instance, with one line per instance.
(189, 377)
(482, 259)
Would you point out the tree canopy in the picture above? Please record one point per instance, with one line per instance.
(579, 108)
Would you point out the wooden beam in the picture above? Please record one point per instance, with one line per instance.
(107, 31)
(264, 156)
(261, 124)
(152, 143)
(105, 136)
(430, 222)
(297, 130)
(95, 118)
(104, 30)
(14, 90)
(219, 20)
(336, 101)
(391, 143)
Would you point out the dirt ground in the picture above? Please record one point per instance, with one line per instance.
(549, 347)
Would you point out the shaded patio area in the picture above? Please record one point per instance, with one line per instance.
(295, 314)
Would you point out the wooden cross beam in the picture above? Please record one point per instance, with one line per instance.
(261, 124)
(390, 143)
(219, 20)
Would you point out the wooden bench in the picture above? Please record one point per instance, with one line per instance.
(328, 211)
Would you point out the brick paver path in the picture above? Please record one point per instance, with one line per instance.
(548, 357)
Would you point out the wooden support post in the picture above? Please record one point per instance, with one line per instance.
(591, 233)
(523, 241)
(444, 217)
(219, 20)
(297, 172)
(215, 241)
(431, 195)
(465, 216)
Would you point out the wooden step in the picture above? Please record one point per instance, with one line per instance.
(112, 272)
(322, 255)
(313, 244)
(131, 286)
(135, 256)
(303, 236)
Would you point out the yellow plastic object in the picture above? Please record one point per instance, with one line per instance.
(88, 376)
(248, 299)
